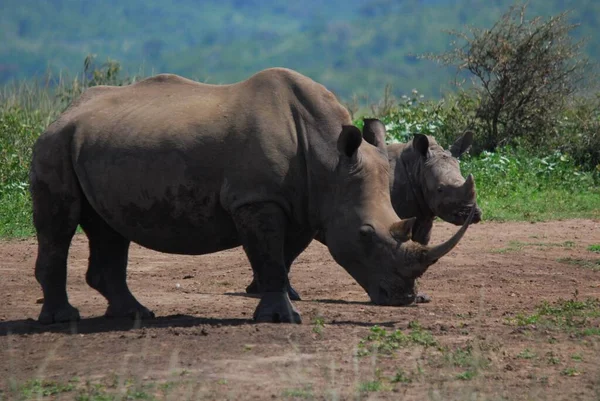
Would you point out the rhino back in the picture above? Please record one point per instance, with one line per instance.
(165, 160)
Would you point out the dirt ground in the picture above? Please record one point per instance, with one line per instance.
(202, 344)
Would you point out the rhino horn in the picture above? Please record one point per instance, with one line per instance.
(469, 185)
(401, 231)
(436, 252)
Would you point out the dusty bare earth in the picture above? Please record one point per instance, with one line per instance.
(202, 344)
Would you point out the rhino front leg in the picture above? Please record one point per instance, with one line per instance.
(107, 268)
(421, 233)
(292, 293)
(262, 229)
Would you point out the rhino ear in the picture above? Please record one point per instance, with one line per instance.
(374, 133)
(421, 144)
(401, 230)
(349, 140)
(462, 144)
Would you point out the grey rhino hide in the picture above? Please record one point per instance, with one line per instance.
(188, 168)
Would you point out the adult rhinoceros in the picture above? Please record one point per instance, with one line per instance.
(425, 182)
(183, 167)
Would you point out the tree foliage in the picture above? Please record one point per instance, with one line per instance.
(524, 71)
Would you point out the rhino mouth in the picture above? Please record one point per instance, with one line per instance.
(383, 297)
(458, 218)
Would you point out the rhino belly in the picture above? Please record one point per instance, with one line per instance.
(155, 200)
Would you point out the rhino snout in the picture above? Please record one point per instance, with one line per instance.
(459, 217)
(394, 296)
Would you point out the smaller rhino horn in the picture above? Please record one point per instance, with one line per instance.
(401, 230)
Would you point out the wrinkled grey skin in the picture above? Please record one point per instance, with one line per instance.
(425, 182)
(188, 168)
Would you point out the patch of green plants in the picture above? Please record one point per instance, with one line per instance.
(305, 392)
(514, 184)
(385, 342)
(579, 317)
(594, 248)
(593, 264)
(318, 325)
(516, 246)
(465, 358)
(34, 389)
(371, 386)
(466, 375)
(570, 372)
(401, 377)
(552, 358)
(526, 354)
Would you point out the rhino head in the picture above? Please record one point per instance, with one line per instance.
(363, 232)
(427, 180)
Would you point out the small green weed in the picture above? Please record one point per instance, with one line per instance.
(516, 246)
(44, 388)
(371, 386)
(552, 358)
(570, 371)
(304, 392)
(594, 248)
(526, 354)
(401, 377)
(466, 375)
(593, 264)
(575, 316)
(318, 325)
(383, 342)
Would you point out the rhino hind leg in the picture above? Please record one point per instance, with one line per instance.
(261, 228)
(107, 269)
(56, 212)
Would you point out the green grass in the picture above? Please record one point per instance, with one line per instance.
(513, 185)
(386, 342)
(371, 386)
(594, 248)
(43, 388)
(516, 246)
(305, 392)
(577, 317)
(593, 264)
(526, 354)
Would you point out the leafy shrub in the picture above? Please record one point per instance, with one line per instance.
(523, 71)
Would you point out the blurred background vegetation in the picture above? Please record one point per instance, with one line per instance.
(351, 46)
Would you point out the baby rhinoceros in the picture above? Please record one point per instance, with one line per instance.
(183, 167)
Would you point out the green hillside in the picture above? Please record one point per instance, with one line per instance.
(351, 46)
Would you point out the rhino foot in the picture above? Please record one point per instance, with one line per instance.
(275, 307)
(422, 298)
(253, 289)
(136, 311)
(61, 314)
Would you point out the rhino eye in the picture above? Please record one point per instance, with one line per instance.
(366, 230)
(440, 190)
